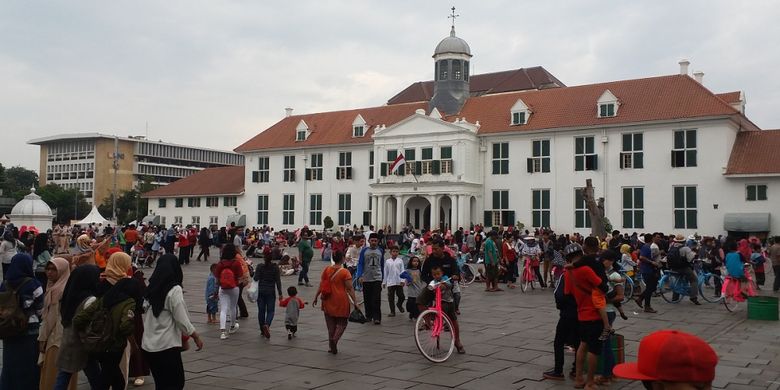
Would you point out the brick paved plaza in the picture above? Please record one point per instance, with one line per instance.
(508, 337)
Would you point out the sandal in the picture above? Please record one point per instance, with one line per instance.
(460, 349)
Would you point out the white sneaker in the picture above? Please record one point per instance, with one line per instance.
(233, 328)
(223, 335)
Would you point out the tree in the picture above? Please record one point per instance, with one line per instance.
(130, 206)
(17, 181)
(63, 202)
(596, 211)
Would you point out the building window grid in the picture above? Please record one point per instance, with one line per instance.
(684, 152)
(193, 202)
(315, 209)
(316, 166)
(581, 214)
(289, 169)
(344, 169)
(540, 211)
(212, 201)
(263, 169)
(262, 209)
(540, 160)
(230, 201)
(585, 157)
(195, 220)
(501, 215)
(632, 155)
(358, 131)
(685, 207)
(371, 164)
(288, 209)
(633, 207)
(213, 221)
(345, 209)
(501, 158)
(756, 192)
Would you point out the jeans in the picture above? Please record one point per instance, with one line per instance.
(242, 311)
(651, 281)
(693, 281)
(110, 374)
(184, 254)
(303, 276)
(606, 351)
(92, 371)
(228, 299)
(412, 308)
(372, 299)
(266, 305)
(776, 284)
(392, 293)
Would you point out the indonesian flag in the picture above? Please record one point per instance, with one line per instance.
(399, 161)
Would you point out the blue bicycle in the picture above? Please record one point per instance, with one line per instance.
(673, 286)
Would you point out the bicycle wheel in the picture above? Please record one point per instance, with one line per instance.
(524, 282)
(709, 282)
(667, 287)
(468, 274)
(435, 347)
(628, 290)
(731, 304)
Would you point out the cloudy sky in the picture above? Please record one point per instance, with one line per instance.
(215, 73)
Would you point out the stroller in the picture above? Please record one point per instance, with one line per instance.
(139, 255)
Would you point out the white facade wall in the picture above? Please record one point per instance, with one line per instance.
(714, 141)
(329, 186)
(170, 212)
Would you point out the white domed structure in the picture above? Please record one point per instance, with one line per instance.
(32, 211)
(452, 44)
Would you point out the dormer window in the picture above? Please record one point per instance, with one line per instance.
(359, 126)
(519, 113)
(607, 105)
(301, 131)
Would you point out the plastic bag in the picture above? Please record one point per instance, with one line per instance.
(251, 293)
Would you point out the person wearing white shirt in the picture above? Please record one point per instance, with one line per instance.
(394, 267)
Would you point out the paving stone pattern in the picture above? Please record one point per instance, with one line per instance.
(507, 335)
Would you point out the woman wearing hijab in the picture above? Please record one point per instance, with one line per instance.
(20, 353)
(115, 288)
(50, 334)
(166, 322)
(41, 256)
(79, 293)
(7, 249)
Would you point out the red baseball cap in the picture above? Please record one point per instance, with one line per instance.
(673, 356)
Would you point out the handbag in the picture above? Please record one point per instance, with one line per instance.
(356, 315)
(252, 292)
(326, 287)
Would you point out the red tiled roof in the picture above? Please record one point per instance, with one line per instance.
(729, 97)
(210, 181)
(641, 100)
(673, 97)
(329, 128)
(755, 152)
(481, 84)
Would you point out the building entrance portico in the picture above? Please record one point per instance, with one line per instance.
(424, 210)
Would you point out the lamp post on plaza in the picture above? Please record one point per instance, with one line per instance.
(305, 158)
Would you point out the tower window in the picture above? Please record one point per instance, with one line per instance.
(466, 70)
(444, 69)
(457, 72)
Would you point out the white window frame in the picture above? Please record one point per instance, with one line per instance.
(263, 166)
(539, 159)
(358, 131)
(213, 220)
(345, 161)
(500, 159)
(686, 209)
(606, 100)
(230, 201)
(539, 210)
(301, 131)
(635, 209)
(345, 209)
(288, 171)
(212, 201)
(581, 208)
(288, 209)
(519, 113)
(756, 192)
(628, 156)
(585, 154)
(193, 202)
(316, 170)
(500, 208)
(177, 220)
(315, 209)
(262, 209)
(195, 220)
(686, 148)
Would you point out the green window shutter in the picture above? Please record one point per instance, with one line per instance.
(546, 200)
(545, 164)
(545, 219)
(338, 173)
(308, 173)
(679, 139)
(579, 163)
(496, 199)
(530, 165)
(690, 158)
(536, 219)
(691, 216)
(679, 197)
(639, 160)
(349, 172)
(628, 199)
(496, 167)
(690, 197)
(508, 218)
(436, 167)
(639, 219)
(536, 148)
(446, 152)
(536, 202)
(418, 168)
(627, 142)
(383, 169)
(504, 167)
(488, 218)
(504, 199)
(690, 139)
(761, 192)
(255, 177)
(402, 170)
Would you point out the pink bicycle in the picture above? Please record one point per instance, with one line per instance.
(433, 330)
(528, 277)
(733, 292)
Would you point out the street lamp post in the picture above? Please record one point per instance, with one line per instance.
(305, 158)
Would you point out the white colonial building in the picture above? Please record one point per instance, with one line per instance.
(666, 154)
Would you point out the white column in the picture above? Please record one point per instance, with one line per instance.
(455, 223)
(374, 209)
(433, 216)
(400, 213)
(381, 211)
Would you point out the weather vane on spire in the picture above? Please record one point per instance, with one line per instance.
(453, 16)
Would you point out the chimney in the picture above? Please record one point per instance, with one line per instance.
(288, 112)
(699, 77)
(684, 66)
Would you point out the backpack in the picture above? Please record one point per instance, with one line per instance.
(98, 331)
(227, 279)
(674, 259)
(326, 287)
(13, 319)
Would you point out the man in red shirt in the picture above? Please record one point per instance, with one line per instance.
(581, 282)
(131, 236)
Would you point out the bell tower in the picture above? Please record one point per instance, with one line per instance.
(451, 74)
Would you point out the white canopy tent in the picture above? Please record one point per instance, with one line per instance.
(93, 217)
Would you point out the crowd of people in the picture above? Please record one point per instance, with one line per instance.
(85, 304)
